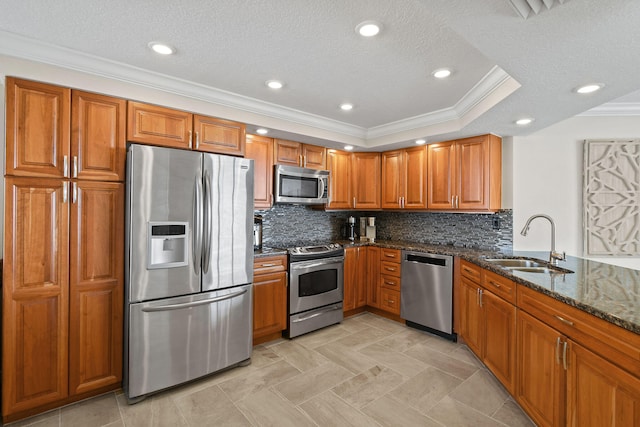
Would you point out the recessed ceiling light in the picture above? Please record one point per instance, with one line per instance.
(524, 121)
(162, 48)
(274, 84)
(441, 73)
(589, 88)
(368, 28)
(348, 147)
(346, 106)
(421, 141)
(262, 131)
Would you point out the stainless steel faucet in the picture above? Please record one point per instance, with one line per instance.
(554, 256)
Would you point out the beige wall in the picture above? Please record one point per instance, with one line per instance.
(547, 178)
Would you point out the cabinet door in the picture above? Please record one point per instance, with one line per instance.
(35, 294)
(219, 136)
(500, 339)
(415, 178)
(269, 304)
(287, 152)
(441, 170)
(340, 195)
(96, 285)
(366, 180)
(598, 392)
(37, 139)
(350, 279)
(471, 320)
(473, 173)
(392, 179)
(260, 149)
(373, 276)
(98, 136)
(314, 157)
(540, 386)
(361, 277)
(155, 125)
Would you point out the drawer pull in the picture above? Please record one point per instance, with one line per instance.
(563, 320)
(467, 269)
(389, 283)
(267, 265)
(388, 255)
(390, 269)
(390, 301)
(497, 285)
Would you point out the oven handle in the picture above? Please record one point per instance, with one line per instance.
(319, 313)
(194, 303)
(299, 265)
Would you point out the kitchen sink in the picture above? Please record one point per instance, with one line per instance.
(527, 265)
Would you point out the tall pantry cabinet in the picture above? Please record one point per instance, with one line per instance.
(63, 247)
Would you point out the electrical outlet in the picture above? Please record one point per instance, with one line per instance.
(496, 223)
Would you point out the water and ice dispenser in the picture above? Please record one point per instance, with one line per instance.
(168, 244)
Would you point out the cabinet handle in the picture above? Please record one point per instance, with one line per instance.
(563, 320)
(267, 265)
(190, 139)
(65, 191)
(497, 285)
(480, 296)
(564, 356)
(558, 351)
(75, 166)
(388, 255)
(74, 193)
(65, 166)
(354, 202)
(386, 282)
(301, 161)
(197, 140)
(390, 269)
(467, 269)
(457, 202)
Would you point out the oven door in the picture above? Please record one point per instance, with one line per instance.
(315, 283)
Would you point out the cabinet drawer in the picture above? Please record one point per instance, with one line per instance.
(390, 268)
(390, 255)
(390, 301)
(616, 344)
(500, 286)
(471, 271)
(269, 264)
(390, 282)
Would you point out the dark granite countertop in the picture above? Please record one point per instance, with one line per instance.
(606, 291)
(265, 252)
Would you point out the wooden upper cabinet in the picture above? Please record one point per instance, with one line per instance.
(38, 129)
(98, 137)
(366, 180)
(293, 153)
(340, 192)
(96, 285)
(404, 178)
(415, 164)
(465, 174)
(219, 136)
(392, 180)
(260, 149)
(35, 293)
(314, 157)
(152, 124)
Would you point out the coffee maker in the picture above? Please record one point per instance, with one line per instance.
(370, 228)
(349, 230)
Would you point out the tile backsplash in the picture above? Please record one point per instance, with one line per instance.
(293, 225)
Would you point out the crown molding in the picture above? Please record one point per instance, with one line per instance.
(484, 95)
(613, 109)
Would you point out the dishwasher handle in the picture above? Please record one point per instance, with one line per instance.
(425, 259)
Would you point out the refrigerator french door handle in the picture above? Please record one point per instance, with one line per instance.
(194, 303)
(197, 226)
(206, 245)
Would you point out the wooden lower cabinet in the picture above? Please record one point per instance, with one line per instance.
(355, 278)
(373, 276)
(269, 298)
(389, 280)
(62, 292)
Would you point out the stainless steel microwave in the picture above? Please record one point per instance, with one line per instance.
(301, 186)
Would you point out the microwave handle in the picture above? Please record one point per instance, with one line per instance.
(321, 183)
(321, 187)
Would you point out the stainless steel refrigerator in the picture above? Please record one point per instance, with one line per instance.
(189, 266)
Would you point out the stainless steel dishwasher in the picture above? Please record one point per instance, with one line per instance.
(426, 292)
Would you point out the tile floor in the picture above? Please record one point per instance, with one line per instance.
(367, 371)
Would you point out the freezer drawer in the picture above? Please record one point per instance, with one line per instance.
(175, 340)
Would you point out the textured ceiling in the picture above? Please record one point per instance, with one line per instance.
(505, 67)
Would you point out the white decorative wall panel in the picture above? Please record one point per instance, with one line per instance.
(612, 197)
